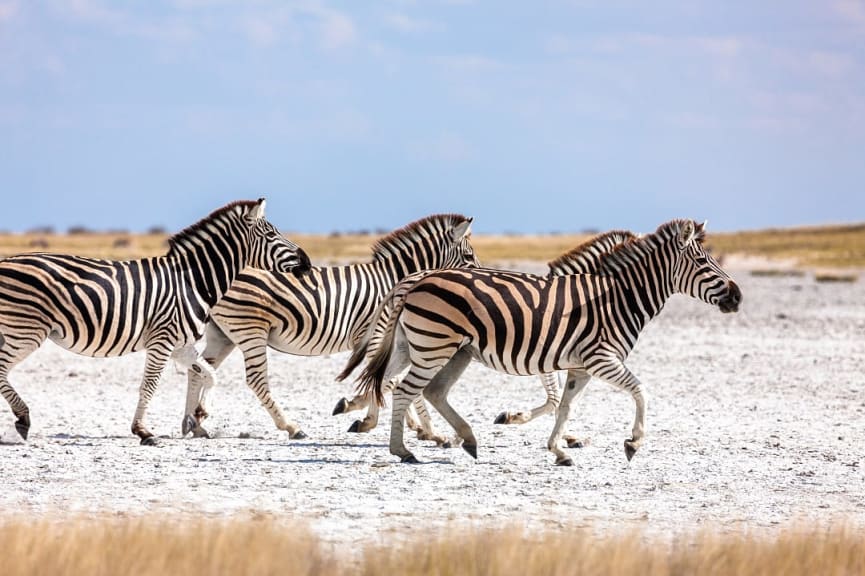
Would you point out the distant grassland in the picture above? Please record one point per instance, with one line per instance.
(150, 546)
(826, 246)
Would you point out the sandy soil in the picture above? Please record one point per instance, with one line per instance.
(757, 420)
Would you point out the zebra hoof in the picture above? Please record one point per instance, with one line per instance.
(341, 407)
(189, 424)
(299, 435)
(410, 459)
(630, 449)
(502, 418)
(577, 442)
(22, 425)
(472, 449)
(447, 444)
(200, 432)
(565, 461)
(355, 427)
(149, 441)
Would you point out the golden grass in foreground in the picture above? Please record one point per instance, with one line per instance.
(262, 546)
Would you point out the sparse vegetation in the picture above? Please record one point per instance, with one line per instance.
(835, 277)
(823, 247)
(777, 273)
(148, 545)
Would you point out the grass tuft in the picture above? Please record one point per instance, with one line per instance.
(149, 546)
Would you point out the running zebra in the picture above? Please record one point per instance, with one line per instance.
(105, 308)
(523, 324)
(584, 259)
(322, 313)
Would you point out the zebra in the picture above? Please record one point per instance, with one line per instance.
(524, 324)
(324, 312)
(105, 308)
(584, 259)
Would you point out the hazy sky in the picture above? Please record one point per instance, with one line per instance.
(531, 116)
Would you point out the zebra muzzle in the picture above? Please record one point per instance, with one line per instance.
(731, 300)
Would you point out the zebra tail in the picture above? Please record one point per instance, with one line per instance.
(373, 375)
(358, 353)
(379, 338)
(371, 337)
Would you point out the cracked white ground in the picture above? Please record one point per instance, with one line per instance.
(756, 420)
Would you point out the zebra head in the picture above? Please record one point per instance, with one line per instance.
(437, 241)
(698, 274)
(457, 250)
(269, 249)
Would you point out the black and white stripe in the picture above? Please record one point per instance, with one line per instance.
(523, 324)
(105, 308)
(324, 312)
(584, 259)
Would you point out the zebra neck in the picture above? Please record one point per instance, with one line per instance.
(209, 269)
(397, 266)
(643, 291)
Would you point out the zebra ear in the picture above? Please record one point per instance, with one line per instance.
(462, 229)
(688, 232)
(257, 211)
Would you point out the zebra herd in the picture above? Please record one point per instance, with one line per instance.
(423, 303)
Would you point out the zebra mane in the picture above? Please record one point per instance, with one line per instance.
(178, 239)
(586, 258)
(636, 249)
(398, 241)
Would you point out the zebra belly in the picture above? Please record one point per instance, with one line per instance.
(103, 343)
(299, 346)
(535, 368)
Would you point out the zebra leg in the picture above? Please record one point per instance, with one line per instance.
(402, 397)
(157, 357)
(255, 360)
(201, 378)
(437, 394)
(575, 384)
(550, 382)
(422, 425)
(18, 406)
(617, 374)
(369, 421)
(406, 390)
(344, 405)
(200, 382)
(14, 349)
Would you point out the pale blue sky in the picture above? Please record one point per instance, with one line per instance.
(531, 116)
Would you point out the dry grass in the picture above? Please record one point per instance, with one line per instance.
(147, 546)
(825, 247)
(117, 246)
(185, 546)
(835, 277)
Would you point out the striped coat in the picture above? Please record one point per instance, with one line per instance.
(523, 324)
(324, 312)
(105, 308)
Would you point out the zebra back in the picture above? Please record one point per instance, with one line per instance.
(586, 258)
(428, 244)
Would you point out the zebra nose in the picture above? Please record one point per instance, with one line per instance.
(303, 264)
(731, 300)
(734, 293)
